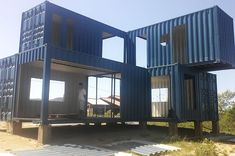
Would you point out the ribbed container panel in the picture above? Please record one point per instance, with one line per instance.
(205, 105)
(200, 38)
(7, 86)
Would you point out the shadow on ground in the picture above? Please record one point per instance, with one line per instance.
(104, 135)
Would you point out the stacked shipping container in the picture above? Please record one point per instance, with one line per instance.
(179, 51)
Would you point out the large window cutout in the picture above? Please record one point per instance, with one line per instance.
(141, 52)
(160, 96)
(104, 96)
(56, 94)
(179, 44)
(56, 30)
(113, 49)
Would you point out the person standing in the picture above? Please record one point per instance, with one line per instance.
(82, 100)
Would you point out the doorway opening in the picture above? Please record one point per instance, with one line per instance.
(104, 99)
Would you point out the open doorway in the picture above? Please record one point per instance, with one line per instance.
(104, 96)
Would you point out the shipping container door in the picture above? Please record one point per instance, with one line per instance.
(7, 81)
(208, 96)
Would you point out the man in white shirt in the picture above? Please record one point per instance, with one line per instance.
(82, 100)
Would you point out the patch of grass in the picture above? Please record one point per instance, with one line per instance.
(207, 148)
(195, 148)
(163, 124)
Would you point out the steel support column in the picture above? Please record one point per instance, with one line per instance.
(45, 88)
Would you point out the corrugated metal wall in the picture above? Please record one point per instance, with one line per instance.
(209, 39)
(205, 93)
(173, 71)
(208, 96)
(83, 34)
(32, 28)
(86, 35)
(226, 38)
(135, 81)
(135, 89)
(7, 86)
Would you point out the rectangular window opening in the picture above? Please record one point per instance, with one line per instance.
(104, 96)
(141, 52)
(160, 96)
(56, 93)
(113, 48)
(179, 44)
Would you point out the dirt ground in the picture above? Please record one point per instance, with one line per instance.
(100, 136)
(10, 142)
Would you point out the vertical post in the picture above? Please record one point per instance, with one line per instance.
(14, 127)
(143, 124)
(215, 127)
(14, 102)
(86, 96)
(173, 129)
(114, 89)
(45, 88)
(111, 96)
(96, 95)
(44, 130)
(198, 128)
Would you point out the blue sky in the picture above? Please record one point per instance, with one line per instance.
(122, 14)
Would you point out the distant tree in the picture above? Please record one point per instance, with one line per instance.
(226, 100)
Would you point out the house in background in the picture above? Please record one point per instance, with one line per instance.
(60, 48)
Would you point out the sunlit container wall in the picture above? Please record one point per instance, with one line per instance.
(32, 28)
(135, 83)
(134, 89)
(193, 94)
(202, 38)
(48, 23)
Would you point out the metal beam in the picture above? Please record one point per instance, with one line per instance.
(45, 88)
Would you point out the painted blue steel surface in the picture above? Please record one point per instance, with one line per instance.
(209, 39)
(205, 92)
(87, 36)
(7, 86)
(135, 82)
(175, 81)
(32, 28)
(209, 46)
(226, 38)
